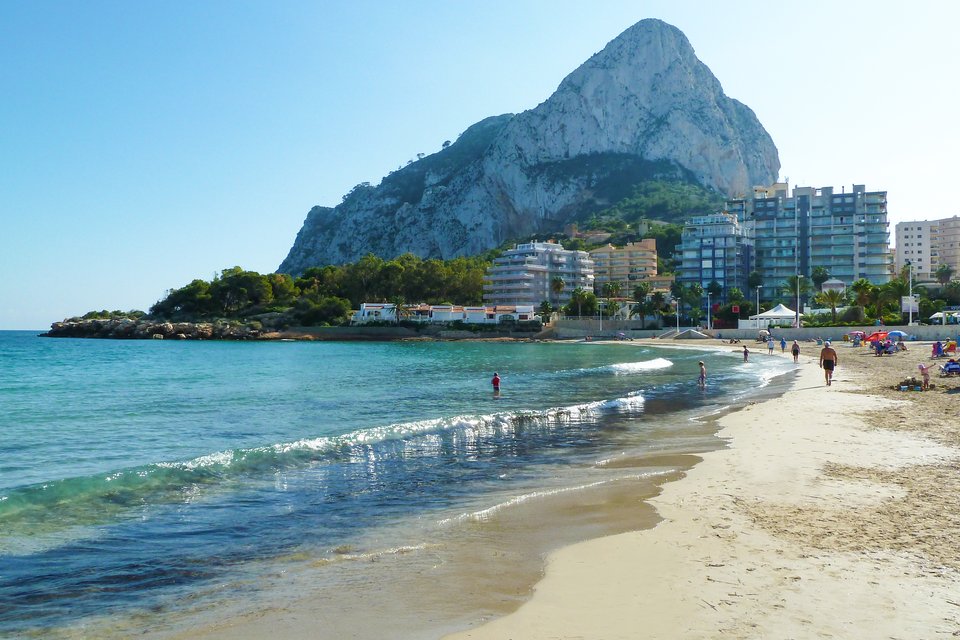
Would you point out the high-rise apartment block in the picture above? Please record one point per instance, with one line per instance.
(915, 242)
(846, 233)
(526, 273)
(927, 244)
(715, 248)
(627, 266)
(947, 244)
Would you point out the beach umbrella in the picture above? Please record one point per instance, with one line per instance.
(876, 335)
(896, 333)
(858, 333)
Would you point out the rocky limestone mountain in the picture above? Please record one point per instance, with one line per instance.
(642, 108)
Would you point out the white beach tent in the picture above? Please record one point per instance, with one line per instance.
(777, 315)
(938, 316)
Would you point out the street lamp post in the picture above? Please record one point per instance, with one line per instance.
(708, 311)
(677, 302)
(758, 306)
(910, 294)
(798, 300)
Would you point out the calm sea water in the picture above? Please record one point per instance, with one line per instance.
(135, 472)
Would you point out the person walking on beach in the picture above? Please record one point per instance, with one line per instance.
(795, 350)
(770, 345)
(783, 344)
(496, 383)
(746, 353)
(828, 361)
(702, 381)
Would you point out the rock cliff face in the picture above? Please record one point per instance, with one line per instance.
(643, 107)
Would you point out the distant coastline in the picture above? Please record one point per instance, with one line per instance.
(152, 329)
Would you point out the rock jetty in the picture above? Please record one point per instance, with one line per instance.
(144, 329)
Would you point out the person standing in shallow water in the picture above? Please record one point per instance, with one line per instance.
(496, 383)
(828, 361)
(702, 380)
(746, 353)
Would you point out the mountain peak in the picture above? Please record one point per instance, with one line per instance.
(644, 101)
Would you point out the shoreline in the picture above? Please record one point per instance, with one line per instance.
(496, 564)
(830, 514)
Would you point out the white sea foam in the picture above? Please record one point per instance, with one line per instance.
(471, 424)
(626, 368)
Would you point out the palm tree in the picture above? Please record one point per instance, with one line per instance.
(641, 291)
(613, 308)
(659, 302)
(883, 297)
(943, 274)
(546, 310)
(819, 275)
(831, 298)
(692, 296)
(577, 297)
(401, 308)
(789, 288)
(715, 289)
(556, 287)
(862, 291)
(862, 294)
(951, 292)
(612, 289)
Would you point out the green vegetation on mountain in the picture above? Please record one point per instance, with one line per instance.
(669, 200)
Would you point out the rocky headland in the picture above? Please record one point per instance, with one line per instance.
(144, 329)
(644, 108)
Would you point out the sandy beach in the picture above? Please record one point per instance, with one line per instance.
(832, 514)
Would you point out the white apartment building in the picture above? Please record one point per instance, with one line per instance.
(524, 275)
(946, 245)
(927, 244)
(915, 242)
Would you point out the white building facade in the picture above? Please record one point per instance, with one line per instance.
(525, 274)
(443, 313)
(915, 241)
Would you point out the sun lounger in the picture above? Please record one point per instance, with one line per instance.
(950, 369)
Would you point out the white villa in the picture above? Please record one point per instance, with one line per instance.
(443, 313)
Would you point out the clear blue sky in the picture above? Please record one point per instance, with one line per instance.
(146, 144)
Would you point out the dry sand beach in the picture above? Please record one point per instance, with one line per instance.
(834, 513)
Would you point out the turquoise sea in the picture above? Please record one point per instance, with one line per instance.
(142, 482)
